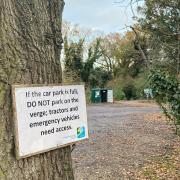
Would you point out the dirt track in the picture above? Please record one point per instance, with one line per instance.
(120, 140)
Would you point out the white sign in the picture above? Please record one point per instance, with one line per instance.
(48, 117)
(110, 96)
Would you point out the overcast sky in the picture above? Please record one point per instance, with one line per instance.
(102, 15)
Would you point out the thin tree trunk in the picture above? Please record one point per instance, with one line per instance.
(143, 55)
(30, 46)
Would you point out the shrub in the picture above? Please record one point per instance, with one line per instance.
(166, 89)
(119, 94)
(141, 83)
(129, 91)
(116, 85)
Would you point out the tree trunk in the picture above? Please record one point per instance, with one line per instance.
(30, 46)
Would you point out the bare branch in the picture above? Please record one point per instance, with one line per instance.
(139, 46)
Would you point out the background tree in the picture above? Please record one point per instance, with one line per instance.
(30, 46)
(129, 57)
(73, 61)
(123, 60)
(109, 48)
(161, 22)
(78, 67)
(93, 56)
(99, 78)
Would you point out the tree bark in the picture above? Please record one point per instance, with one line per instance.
(143, 55)
(30, 46)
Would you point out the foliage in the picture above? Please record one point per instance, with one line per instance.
(166, 90)
(109, 47)
(141, 82)
(129, 89)
(160, 22)
(120, 55)
(111, 56)
(75, 69)
(93, 55)
(99, 78)
(116, 84)
(119, 94)
(73, 60)
(130, 61)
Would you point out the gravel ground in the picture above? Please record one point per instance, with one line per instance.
(120, 140)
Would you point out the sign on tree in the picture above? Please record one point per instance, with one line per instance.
(48, 117)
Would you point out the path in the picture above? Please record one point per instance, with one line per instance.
(120, 140)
